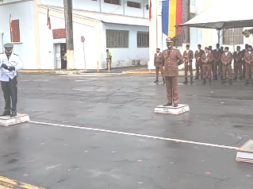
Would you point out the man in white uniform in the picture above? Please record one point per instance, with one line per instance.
(9, 65)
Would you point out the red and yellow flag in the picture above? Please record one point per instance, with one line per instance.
(150, 9)
(11, 28)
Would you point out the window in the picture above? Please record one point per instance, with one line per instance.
(142, 39)
(14, 31)
(117, 39)
(232, 36)
(116, 2)
(133, 4)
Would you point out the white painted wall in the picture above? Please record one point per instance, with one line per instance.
(90, 45)
(100, 6)
(122, 57)
(24, 12)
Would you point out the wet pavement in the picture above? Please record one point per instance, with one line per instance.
(60, 154)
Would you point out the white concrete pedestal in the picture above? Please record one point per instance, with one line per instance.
(182, 108)
(6, 121)
(245, 152)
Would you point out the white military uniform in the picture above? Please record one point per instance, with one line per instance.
(9, 81)
(13, 60)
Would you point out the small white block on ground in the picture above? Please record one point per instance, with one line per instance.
(182, 108)
(9, 121)
(245, 152)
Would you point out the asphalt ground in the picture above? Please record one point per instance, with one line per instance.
(99, 131)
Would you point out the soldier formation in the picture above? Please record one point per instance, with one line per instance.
(214, 64)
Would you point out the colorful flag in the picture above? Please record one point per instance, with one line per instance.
(171, 16)
(165, 17)
(179, 17)
(48, 19)
(150, 9)
(11, 28)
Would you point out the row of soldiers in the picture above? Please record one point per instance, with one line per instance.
(214, 64)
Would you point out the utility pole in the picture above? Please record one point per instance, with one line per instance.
(69, 33)
(186, 17)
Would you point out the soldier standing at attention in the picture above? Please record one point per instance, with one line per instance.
(206, 60)
(198, 54)
(238, 58)
(212, 62)
(9, 65)
(188, 56)
(220, 65)
(226, 60)
(158, 64)
(171, 59)
(248, 58)
(243, 62)
(108, 60)
(216, 61)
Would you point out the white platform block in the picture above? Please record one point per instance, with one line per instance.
(182, 108)
(6, 121)
(245, 152)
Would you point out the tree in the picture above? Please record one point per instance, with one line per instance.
(69, 33)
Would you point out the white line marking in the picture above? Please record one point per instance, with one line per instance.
(136, 135)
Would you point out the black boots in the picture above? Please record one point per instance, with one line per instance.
(168, 104)
(13, 113)
(5, 113)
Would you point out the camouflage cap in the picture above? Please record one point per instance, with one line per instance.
(169, 40)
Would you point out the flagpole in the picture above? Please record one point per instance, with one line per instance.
(152, 32)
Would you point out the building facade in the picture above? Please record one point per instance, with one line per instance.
(118, 25)
(122, 26)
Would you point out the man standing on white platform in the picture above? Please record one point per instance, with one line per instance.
(171, 59)
(9, 65)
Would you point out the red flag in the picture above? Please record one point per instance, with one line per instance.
(11, 28)
(48, 20)
(150, 9)
(179, 16)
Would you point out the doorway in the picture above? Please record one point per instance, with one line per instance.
(60, 60)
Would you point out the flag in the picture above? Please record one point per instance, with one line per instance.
(165, 17)
(171, 16)
(48, 19)
(11, 28)
(179, 17)
(150, 9)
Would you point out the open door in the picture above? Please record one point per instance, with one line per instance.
(60, 60)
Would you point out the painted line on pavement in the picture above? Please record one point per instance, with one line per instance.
(6, 183)
(136, 135)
